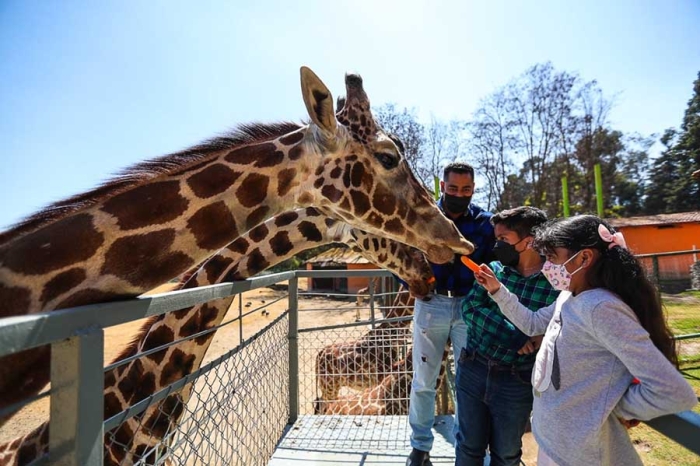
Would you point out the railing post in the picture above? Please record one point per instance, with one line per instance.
(655, 270)
(371, 301)
(76, 435)
(293, 337)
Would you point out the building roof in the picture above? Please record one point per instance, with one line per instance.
(338, 256)
(661, 219)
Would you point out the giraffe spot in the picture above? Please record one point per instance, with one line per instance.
(357, 175)
(382, 258)
(270, 160)
(329, 222)
(179, 365)
(336, 172)
(151, 204)
(375, 220)
(124, 436)
(110, 378)
(394, 226)
(305, 199)
(61, 283)
(319, 182)
(402, 209)
(127, 385)
(295, 152)
(347, 173)
(216, 266)
(259, 233)
(234, 275)
(15, 300)
(384, 200)
(365, 244)
(292, 138)
(145, 387)
(239, 246)
(158, 337)
(200, 320)
(60, 244)
(91, 296)
(253, 190)
(248, 154)
(285, 181)
(360, 201)
(344, 204)
(310, 231)
(145, 260)
(280, 243)
(286, 218)
(312, 212)
(257, 216)
(213, 226)
(411, 217)
(159, 422)
(256, 262)
(112, 405)
(212, 180)
(331, 193)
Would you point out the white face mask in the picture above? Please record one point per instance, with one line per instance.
(557, 275)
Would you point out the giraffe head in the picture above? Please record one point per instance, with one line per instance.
(363, 177)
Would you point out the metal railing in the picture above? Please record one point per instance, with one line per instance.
(76, 337)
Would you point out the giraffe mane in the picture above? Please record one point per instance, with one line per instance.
(242, 135)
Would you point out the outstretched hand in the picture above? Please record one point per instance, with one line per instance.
(486, 278)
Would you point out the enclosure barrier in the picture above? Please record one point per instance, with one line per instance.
(244, 383)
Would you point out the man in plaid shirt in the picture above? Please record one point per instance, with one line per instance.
(493, 387)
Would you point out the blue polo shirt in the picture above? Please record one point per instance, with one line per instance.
(475, 226)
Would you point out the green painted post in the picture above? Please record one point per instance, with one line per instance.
(565, 194)
(437, 187)
(598, 189)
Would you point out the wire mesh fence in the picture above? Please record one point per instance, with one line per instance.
(233, 413)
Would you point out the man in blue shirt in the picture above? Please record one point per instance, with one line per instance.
(438, 317)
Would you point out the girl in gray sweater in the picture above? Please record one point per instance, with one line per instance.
(607, 359)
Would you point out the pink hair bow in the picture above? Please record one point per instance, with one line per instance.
(615, 240)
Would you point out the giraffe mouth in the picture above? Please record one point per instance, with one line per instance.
(440, 254)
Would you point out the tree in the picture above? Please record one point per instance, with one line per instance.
(404, 124)
(671, 185)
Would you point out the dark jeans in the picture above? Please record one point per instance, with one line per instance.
(494, 406)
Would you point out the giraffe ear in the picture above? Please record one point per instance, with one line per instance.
(318, 100)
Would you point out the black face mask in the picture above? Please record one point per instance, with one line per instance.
(456, 204)
(506, 253)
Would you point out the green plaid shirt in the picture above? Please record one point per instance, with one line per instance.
(489, 332)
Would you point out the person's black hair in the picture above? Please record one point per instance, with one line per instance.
(616, 270)
(523, 220)
(458, 167)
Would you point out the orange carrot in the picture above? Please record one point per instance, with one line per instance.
(431, 280)
(473, 266)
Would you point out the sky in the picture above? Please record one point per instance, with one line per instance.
(89, 88)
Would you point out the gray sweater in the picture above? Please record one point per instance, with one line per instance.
(600, 347)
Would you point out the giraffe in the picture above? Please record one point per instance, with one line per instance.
(161, 217)
(263, 246)
(363, 362)
(388, 397)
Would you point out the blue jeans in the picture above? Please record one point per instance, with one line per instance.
(434, 322)
(494, 406)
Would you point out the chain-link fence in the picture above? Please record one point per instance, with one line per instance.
(236, 409)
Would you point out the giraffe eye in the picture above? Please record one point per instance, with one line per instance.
(387, 160)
